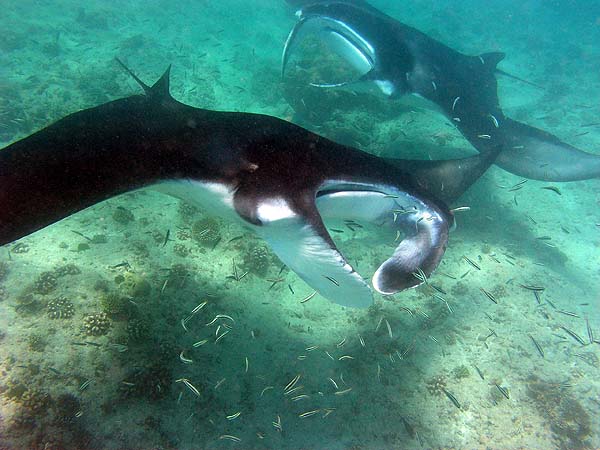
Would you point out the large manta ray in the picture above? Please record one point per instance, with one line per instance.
(402, 60)
(275, 177)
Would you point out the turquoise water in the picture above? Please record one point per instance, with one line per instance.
(93, 349)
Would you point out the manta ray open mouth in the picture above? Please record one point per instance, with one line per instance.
(342, 39)
(423, 228)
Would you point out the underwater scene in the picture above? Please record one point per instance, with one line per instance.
(260, 248)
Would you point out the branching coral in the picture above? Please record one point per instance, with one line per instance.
(436, 384)
(96, 324)
(206, 231)
(46, 283)
(60, 308)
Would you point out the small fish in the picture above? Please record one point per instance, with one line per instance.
(123, 264)
(489, 295)
(452, 277)
(530, 287)
(333, 280)
(420, 275)
(190, 386)
(308, 413)
(479, 372)
(589, 331)
(307, 298)
(574, 335)
(583, 133)
(567, 313)
(217, 241)
(230, 437)
(82, 235)
(503, 391)
(345, 391)
(167, 237)
(236, 238)
(452, 398)
(537, 346)
(184, 359)
(389, 328)
(274, 282)
(470, 261)
(461, 208)
(292, 383)
(553, 189)
(439, 289)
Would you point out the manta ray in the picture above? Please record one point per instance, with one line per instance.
(274, 177)
(401, 60)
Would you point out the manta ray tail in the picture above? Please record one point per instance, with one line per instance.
(492, 59)
(522, 80)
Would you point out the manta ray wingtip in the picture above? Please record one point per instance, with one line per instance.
(162, 86)
(159, 90)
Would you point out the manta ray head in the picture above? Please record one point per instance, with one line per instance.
(339, 35)
(347, 30)
(416, 228)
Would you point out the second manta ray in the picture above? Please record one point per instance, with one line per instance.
(277, 178)
(402, 60)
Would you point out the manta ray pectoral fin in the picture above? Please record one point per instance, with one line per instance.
(302, 243)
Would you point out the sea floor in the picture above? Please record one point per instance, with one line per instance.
(144, 323)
